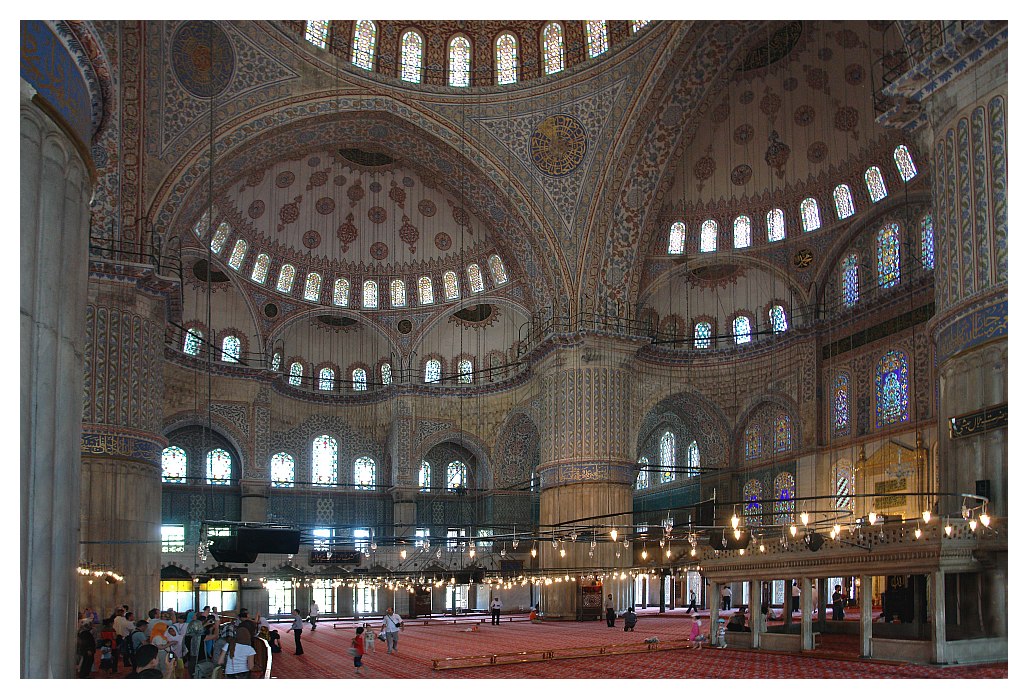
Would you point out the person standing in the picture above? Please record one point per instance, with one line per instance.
(838, 604)
(795, 597)
(692, 602)
(391, 624)
(494, 609)
(238, 656)
(297, 629)
(314, 615)
(86, 648)
(357, 645)
(726, 597)
(608, 606)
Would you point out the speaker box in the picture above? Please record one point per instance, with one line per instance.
(253, 540)
(814, 541)
(981, 489)
(224, 550)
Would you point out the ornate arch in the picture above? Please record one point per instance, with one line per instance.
(465, 439)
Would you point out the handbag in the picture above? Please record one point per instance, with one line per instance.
(381, 635)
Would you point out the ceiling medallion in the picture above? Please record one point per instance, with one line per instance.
(558, 144)
(202, 58)
(803, 258)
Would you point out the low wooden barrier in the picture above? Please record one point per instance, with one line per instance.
(536, 656)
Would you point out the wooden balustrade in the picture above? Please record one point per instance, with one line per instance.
(535, 656)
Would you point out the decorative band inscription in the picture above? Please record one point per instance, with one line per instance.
(124, 446)
(977, 422)
(973, 329)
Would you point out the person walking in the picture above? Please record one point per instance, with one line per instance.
(357, 649)
(838, 604)
(608, 605)
(86, 647)
(391, 625)
(494, 609)
(297, 629)
(726, 597)
(795, 597)
(314, 616)
(692, 602)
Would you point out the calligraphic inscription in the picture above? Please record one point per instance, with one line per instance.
(973, 329)
(803, 258)
(890, 486)
(338, 558)
(977, 422)
(561, 474)
(557, 145)
(202, 58)
(123, 446)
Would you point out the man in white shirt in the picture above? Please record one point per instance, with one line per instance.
(494, 608)
(314, 615)
(391, 624)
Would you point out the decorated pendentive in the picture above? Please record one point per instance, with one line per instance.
(558, 144)
(202, 58)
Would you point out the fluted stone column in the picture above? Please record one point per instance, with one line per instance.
(55, 193)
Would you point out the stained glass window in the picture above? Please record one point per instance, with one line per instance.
(676, 239)
(220, 236)
(475, 278)
(235, 261)
(843, 201)
(708, 236)
(398, 293)
(779, 323)
(285, 279)
(752, 441)
(364, 44)
(341, 292)
(506, 59)
(841, 402)
(891, 389)
(785, 497)
(752, 494)
(450, 286)
(927, 242)
(370, 299)
(295, 374)
(702, 335)
(433, 370)
(775, 225)
(692, 468)
(260, 268)
(904, 163)
(596, 37)
(386, 371)
(230, 349)
(741, 329)
(850, 280)
(465, 371)
(364, 473)
(276, 361)
(844, 485)
(219, 467)
(412, 50)
(283, 470)
(553, 48)
(326, 379)
(312, 289)
(643, 479)
(783, 432)
(810, 214)
(173, 465)
(497, 269)
(360, 379)
(201, 227)
(426, 295)
(741, 230)
(638, 24)
(460, 62)
(875, 183)
(317, 32)
(194, 340)
(456, 475)
(667, 458)
(888, 249)
(425, 476)
(325, 464)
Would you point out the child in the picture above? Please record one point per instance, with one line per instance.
(358, 651)
(273, 641)
(369, 639)
(106, 657)
(697, 636)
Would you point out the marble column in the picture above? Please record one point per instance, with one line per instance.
(714, 603)
(937, 615)
(756, 618)
(806, 609)
(865, 616)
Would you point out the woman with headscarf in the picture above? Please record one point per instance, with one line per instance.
(238, 656)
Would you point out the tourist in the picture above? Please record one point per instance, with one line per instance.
(391, 625)
(494, 609)
(738, 622)
(795, 597)
(357, 648)
(630, 619)
(838, 604)
(297, 629)
(86, 648)
(608, 605)
(696, 635)
(313, 616)
(147, 668)
(238, 656)
(726, 597)
(692, 602)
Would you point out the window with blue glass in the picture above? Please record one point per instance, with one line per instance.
(892, 389)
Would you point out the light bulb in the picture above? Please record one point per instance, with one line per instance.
(592, 544)
(735, 521)
(554, 543)
(533, 552)
(403, 553)
(948, 528)
(692, 552)
(439, 552)
(503, 552)
(667, 552)
(872, 517)
(562, 553)
(471, 553)
(917, 533)
(590, 553)
(792, 529)
(836, 528)
(832, 534)
(737, 534)
(742, 552)
(645, 555)
(762, 548)
(614, 533)
(984, 517)
(514, 544)
(973, 524)
(625, 542)
(617, 554)
(926, 516)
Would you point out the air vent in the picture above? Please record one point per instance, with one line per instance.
(475, 314)
(200, 271)
(366, 158)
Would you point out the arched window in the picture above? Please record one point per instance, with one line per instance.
(667, 457)
(702, 335)
(506, 59)
(875, 183)
(276, 361)
(844, 485)
(173, 465)
(412, 52)
(230, 349)
(425, 477)
(312, 289)
(927, 242)
(456, 475)
(341, 292)
(364, 44)
(386, 372)
(779, 323)
(260, 268)
(398, 293)
(596, 37)
(708, 236)
(295, 374)
(553, 48)
(283, 470)
(219, 467)
(475, 278)
(892, 389)
(783, 432)
(785, 497)
(850, 280)
(904, 163)
(497, 269)
(220, 236)
(843, 201)
(359, 379)
(364, 473)
(752, 493)
(692, 468)
(676, 239)
(810, 214)
(751, 441)
(775, 225)
(316, 32)
(465, 371)
(370, 299)
(638, 24)
(741, 231)
(841, 403)
(285, 279)
(888, 251)
(235, 260)
(642, 480)
(741, 329)
(460, 62)
(451, 288)
(193, 342)
(326, 379)
(325, 464)
(433, 370)
(426, 295)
